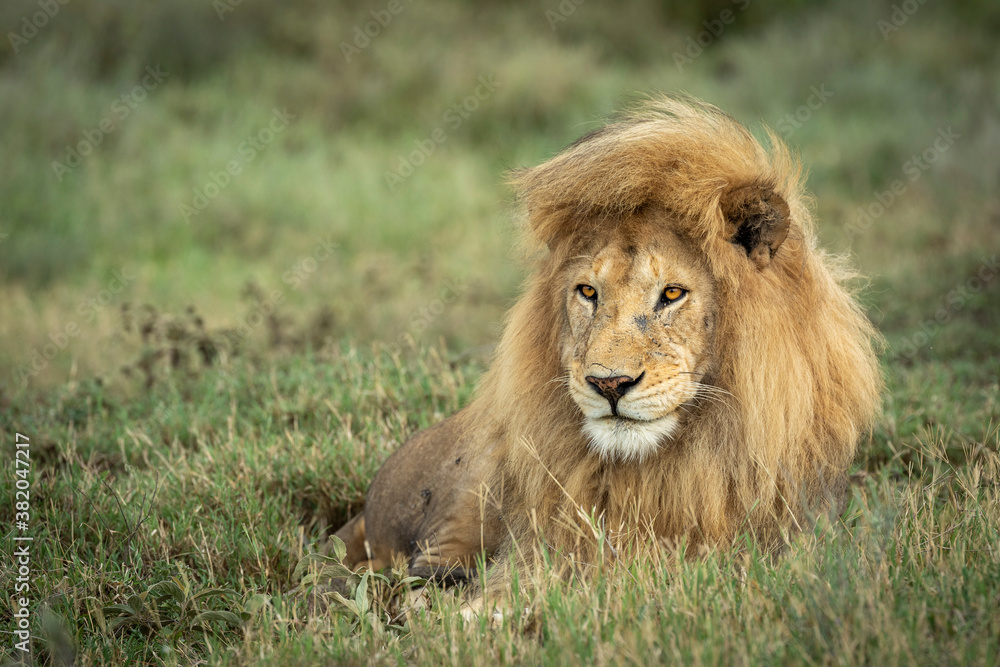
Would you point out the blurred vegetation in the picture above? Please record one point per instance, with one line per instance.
(322, 181)
(208, 389)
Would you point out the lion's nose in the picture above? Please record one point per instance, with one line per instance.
(613, 388)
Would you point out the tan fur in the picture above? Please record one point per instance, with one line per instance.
(677, 192)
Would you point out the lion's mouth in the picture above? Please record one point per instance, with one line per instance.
(627, 438)
(626, 422)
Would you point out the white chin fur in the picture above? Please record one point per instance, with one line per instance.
(628, 439)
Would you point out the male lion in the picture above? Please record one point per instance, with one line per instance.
(684, 362)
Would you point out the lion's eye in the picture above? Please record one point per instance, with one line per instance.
(587, 292)
(672, 294)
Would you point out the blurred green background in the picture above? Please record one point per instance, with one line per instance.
(319, 233)
(248, 247)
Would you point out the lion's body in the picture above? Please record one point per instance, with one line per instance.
(735, 406)
(425, 494)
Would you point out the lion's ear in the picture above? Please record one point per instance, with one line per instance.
(757, 219)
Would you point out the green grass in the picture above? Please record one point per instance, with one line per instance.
(213, 418)
(217, 482)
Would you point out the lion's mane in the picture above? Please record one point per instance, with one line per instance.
(794, 351)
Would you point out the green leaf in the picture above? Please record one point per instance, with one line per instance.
(378, 575)
(165, 589)
(335, 571)
(215, 591)
(339, 548)
(304, 564)
(417, 581)
(120, 621)
(137, 603)
(257, 602)
(350, 604)
(331, 568)
(183, 584)
(361, 595)
(224, 616)
(119, 609)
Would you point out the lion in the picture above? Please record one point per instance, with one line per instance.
(685, 365)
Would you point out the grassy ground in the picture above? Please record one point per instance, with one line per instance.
(206, 393)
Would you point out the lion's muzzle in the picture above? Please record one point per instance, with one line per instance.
(613, 388)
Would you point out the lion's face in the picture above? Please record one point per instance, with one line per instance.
(640, 318)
